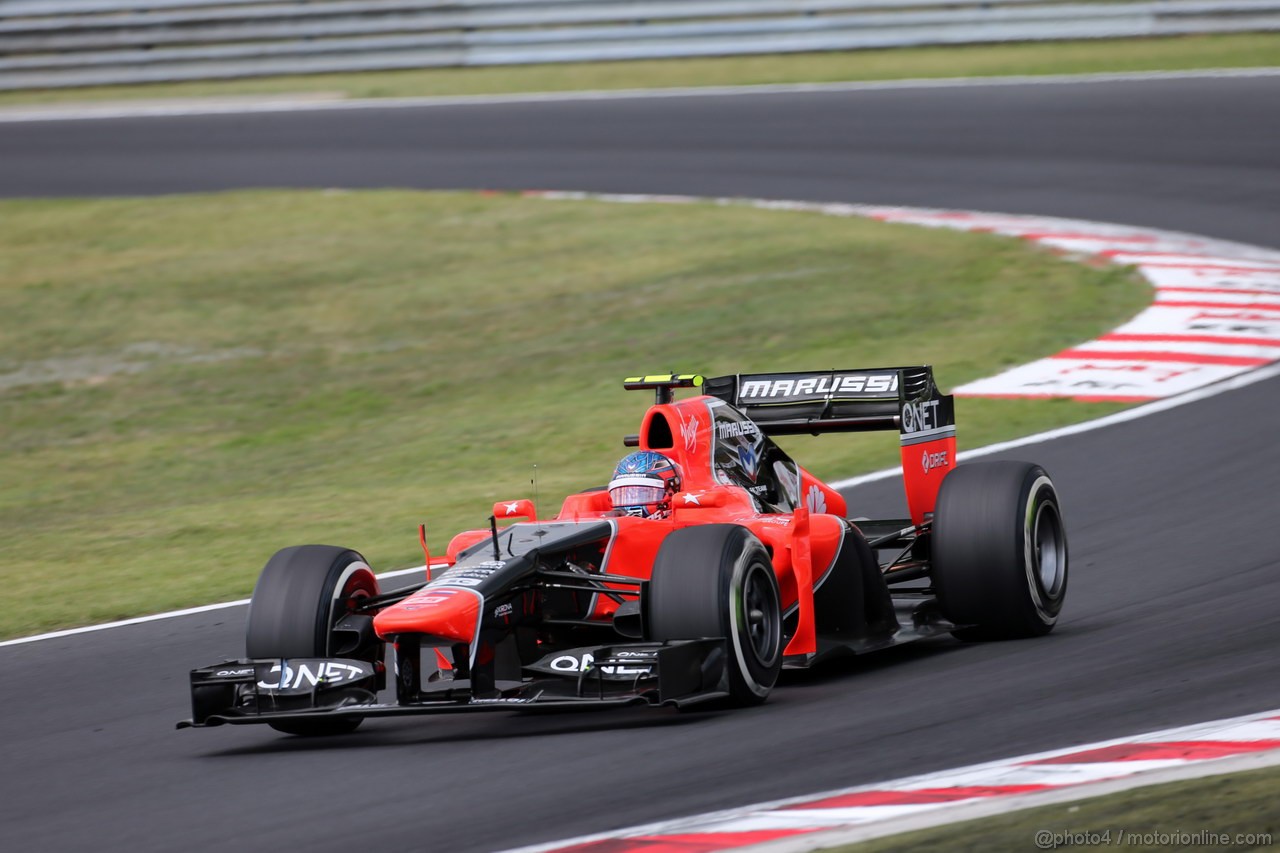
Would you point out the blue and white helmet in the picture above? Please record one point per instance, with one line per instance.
(642, 484)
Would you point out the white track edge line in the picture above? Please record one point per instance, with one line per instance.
(289, 104)
(171, 614)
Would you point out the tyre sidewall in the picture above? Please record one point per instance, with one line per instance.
(1041, 510)
(751, 562)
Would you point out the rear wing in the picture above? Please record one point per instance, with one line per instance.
(883, 398)
(838, 400)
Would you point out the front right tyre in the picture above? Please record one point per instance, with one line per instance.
(300, 596)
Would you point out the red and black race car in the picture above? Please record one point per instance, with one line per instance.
(711, 562)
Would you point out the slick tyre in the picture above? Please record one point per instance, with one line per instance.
(717, 580)
(301, 594)
(999, 551)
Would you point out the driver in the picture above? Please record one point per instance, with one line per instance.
(643, 483)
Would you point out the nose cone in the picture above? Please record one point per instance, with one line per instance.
(451, 613)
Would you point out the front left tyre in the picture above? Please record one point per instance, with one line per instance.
(717, 580)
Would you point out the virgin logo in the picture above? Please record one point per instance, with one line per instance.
(815, 500)
(689, 432)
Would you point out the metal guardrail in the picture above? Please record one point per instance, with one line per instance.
(60, 43)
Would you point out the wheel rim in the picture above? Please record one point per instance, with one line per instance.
(359, 584)
(1050, 549)
(760, 601)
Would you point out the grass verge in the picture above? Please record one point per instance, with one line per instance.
(188, 383)
(1236, 811)
(1247, 50)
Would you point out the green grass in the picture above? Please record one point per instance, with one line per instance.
(1239, 804)
(189, 383)
(1247, 50)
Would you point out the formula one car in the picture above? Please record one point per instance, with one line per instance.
(712, 562)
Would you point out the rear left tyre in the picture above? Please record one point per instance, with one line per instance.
(999, 551)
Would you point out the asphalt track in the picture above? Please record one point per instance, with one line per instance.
(1171, 616)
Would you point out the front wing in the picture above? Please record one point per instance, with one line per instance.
(245, 692)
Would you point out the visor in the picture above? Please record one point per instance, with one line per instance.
(637, 491)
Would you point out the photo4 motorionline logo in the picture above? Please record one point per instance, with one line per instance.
(1048, 840)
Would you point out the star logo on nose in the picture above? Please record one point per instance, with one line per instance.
(692, 499)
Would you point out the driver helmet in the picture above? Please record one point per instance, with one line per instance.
(642, 484)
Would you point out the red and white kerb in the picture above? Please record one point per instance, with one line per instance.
(1216, 311)
(887, 803)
